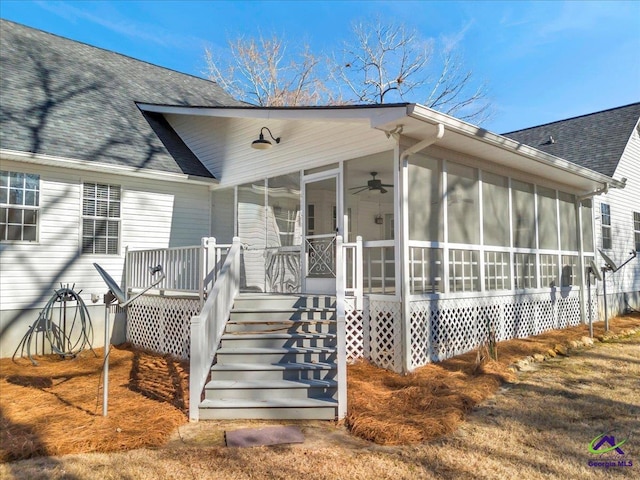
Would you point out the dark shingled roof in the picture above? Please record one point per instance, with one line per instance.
(63, 98)
(595, 141)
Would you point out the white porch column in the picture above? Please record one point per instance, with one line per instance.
(403, 287)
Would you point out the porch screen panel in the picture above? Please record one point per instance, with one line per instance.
(222, 207)
(425, 199)
(284, 235)
(462, 204)
(568, 223)
(252, 232)
(524, 224)
(547, 219)
(495, 209)
(587, 225)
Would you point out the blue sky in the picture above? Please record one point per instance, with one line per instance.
(542, 61)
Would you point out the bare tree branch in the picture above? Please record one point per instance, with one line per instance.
(382, 63)
(387, 62)
(263, 72)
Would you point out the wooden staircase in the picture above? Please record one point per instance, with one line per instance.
(277, 360)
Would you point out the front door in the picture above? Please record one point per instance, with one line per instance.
(322, 221)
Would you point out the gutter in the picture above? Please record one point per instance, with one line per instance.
(604, 190)
(428, 115)
(61, 162)
(418, 147)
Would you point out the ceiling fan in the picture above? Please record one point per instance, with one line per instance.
(373, 184)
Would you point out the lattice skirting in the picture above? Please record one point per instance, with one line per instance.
(441, 329)
(354, 330)
(162, 324)
(383, 337)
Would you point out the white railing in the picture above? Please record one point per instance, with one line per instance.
(379, 267)
(353, 270)
(187, 269)
(341, 330)
(208, 327)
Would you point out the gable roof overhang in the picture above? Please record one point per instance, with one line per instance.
(419, 123)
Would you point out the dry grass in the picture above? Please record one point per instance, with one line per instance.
(539, 428)
(391, 409)
(54, 409)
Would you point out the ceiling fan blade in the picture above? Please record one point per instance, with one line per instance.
(362, 189)
(383, 190)
(390, 185)
(360, 186)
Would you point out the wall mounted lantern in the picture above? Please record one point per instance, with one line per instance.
(262, 143)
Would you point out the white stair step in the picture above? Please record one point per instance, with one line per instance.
(272, 340)
(271, 355)
(306, 408)
(271, 384)
(269, 389)
(280, 326)
(274, 371)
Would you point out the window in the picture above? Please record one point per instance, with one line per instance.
(462, 204)
(311, 219)
(497, 271)
(524, 221)
(548, 270)
(636, 229)
(547, 219)
(569, 275)
(19, 203)
(463, 271)
(426, 270)
(525, 264)
(605, 221)
(101, 219)
(495, 205)
(568, 222)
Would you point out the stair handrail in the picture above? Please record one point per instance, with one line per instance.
(341, 330)
(207, 327)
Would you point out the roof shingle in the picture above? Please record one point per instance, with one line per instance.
(68, 99)
(595, 141)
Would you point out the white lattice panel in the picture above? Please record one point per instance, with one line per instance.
(354, 330)
(385, 332)
(420, 333)
(441, 329)
(162, 324)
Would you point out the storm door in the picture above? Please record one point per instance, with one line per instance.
(321, 223)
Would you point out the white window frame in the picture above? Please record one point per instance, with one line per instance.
(605, 226)
(22, 207)
(636, 230)
(95, 215)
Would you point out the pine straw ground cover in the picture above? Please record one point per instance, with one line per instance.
(55, 408)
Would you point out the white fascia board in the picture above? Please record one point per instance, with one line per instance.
(61, 162)
(369, 114)
(431, 116)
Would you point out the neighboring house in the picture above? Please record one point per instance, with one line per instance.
(431, 233)
(607, 142)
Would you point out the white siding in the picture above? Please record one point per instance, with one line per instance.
(154, 214)
(623, 203)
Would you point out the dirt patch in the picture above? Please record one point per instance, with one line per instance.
(55, 408)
